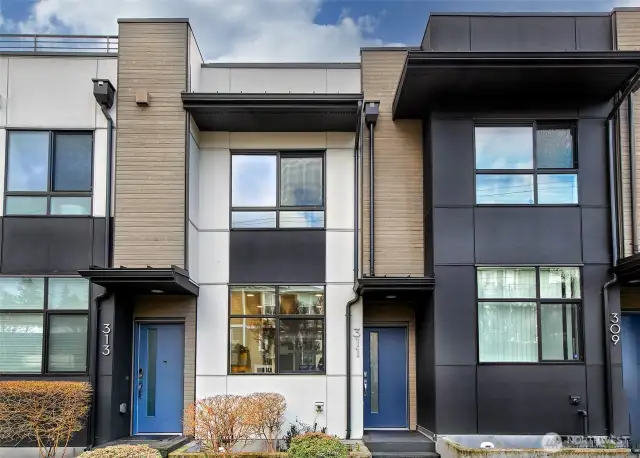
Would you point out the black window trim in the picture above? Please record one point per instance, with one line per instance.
(278, 317)
(535, 171)
(278, 208)
(46, 313)
(50, 176)
(538, 301)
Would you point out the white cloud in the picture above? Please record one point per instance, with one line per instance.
(226, 30)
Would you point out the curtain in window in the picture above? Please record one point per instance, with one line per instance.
(21, 342)
(507, 283)
(508, 332)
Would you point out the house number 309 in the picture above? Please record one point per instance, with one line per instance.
(614, 328)
(106, 347)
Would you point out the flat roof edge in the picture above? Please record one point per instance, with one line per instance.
(525, 13)
(112, 55)
(292, 65)
(390, 48)
(149, 19)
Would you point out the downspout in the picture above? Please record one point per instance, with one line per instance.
(632, 173)
(372, 262)
(107, 263)
(356, 257)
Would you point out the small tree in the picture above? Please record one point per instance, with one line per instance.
(218, 421)
(46, 412)
(266, 416)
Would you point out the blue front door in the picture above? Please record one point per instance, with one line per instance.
(385, 377)
(158, 379)
(631, 369)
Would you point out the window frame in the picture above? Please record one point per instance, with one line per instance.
(278, 208)
(277, 317)
(534, 171)
(46, 314)
(538, 301)
(49, 193)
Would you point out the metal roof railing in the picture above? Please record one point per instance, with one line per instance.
(34, 43)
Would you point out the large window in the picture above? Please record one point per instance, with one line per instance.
(276, 329)
(49, 173)
(43, 325)
(526, 164)
(529, 314)
(284, 190)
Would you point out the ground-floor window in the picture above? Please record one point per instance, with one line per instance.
(529, 314)
(43, 325)
(276, 329)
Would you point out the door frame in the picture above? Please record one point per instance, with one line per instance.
(134, 359)
(391, 324)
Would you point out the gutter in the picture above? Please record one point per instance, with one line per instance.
(356, 257)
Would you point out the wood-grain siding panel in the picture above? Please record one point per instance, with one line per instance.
(398, 200)
(628, 39)
(150, 155)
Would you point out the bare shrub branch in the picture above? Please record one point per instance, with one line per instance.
(265, 413)
(47, 412)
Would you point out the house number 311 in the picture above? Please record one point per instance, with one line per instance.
(106, 347)
(614, 328)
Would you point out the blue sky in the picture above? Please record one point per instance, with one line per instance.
(273, 30)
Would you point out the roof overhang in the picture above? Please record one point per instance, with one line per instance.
(150, 280)
(274, 112)
(446, 81)
(384, 286)
(628, 270)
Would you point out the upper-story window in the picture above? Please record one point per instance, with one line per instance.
(49, 173)
(526, 164)
(277, 190)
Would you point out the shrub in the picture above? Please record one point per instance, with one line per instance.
(317, 445)
(218, 421)
(298, 428)
(123, 451)
(47, 412)
(266, 416)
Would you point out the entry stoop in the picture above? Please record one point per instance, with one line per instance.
(399, 444)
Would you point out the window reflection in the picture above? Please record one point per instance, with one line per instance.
(253, 343)
(246, 220)
(293, 219)
(28, 161)
(253, 180)
(301, 346)
(301, 181)
(72, 168)
(504, 189)
(302, 300)
(558, 189)
(554, 148)
(504, 147)
(253, 300)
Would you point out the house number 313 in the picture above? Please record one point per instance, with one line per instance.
(106, 346)
(614, 327)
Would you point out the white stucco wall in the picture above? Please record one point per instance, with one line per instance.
(301, 391)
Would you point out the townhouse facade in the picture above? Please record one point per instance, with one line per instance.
(439, 238)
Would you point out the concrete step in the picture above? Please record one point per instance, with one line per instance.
(405, 455)
(398, 442)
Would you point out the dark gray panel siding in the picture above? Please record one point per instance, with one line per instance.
(425, 366)
(456, 399)
(592, 186)
(449, 33)
(522, 33)
(453, 235)
(531, 399)
(596, 392)
(593, 279)
(45, 245)
(595, 235)
(539, 235)
(277, 256)
(593, 33)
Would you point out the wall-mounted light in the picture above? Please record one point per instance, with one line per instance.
(157, 291)
(142, 97)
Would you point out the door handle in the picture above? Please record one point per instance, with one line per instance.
(140, 376)
(364, 379)
(140, 390)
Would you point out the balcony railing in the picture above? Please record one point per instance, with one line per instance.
(58, 43)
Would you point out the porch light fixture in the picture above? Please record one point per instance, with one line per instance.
(391, 297)
(250, 294)
(157, 291)
(319, 295)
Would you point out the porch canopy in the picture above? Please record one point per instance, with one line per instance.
(628, 270)
(273, 112)
(380, 287)
(487, 81)
(149, 280)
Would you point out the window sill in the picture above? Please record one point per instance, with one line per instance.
(541, 363)
(272, 374)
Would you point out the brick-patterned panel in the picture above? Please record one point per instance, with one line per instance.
(390, 312)
(181, 308)
(398, 200)
(150, 145)
(628, 39)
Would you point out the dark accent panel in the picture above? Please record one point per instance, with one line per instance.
(449, 33)
(592, 160)
(427, 168)
(528, 235)
(593, 33)
(114, 370)
(98, 242)
(598, 110)
(597, 408)
(455, 315)
(530, 399)
(453, 162)
(621, 425)
(595, 235)
(523, 33)
(425, 365)
(277, 256)
(453, 236)
(614, 307)
(456, 395)
(42, 245)
(593, 278)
